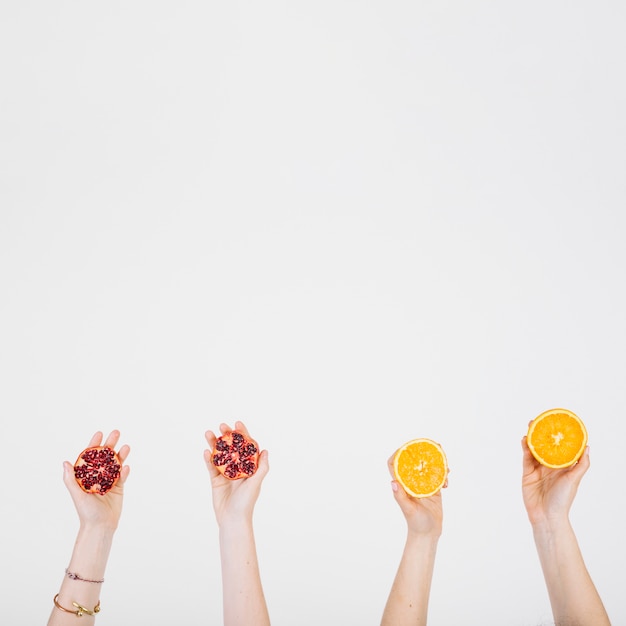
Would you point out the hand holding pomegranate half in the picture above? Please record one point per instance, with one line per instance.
(237, 468)
(96, 481)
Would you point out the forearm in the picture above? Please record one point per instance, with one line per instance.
(573, 596)
(88, 562)
(408, 601)
(244, 601)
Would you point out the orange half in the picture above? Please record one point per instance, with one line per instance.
(421, 467)
(557, 438)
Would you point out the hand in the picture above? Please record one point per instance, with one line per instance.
(94, 509)
(424, 516)
(548, 493)
(234, 499)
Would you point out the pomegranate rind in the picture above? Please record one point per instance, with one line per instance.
(563, 419)
(235, 455)
(426, 457)
(97, 469)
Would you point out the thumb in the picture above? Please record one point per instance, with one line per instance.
(67, 473)
(69, 480)
(529, 463)
(401, 496)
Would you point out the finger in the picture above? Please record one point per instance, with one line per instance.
(264, 466)
(580, 469)
(123, 453)
(210, 437)
(241, 427)
(225, 428)
(95, 440)
(112, 439)
(123, 475)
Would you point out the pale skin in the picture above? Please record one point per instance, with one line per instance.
(407, 604)
(98, 517)
(233, 502)
(548, 496)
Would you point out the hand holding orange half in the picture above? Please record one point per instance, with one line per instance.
(421, 467)
(557, 438)
(554, 463)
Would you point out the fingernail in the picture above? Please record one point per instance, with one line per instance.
(394, 485)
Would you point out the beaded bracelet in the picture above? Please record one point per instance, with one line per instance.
(73, 576)
(80, 610)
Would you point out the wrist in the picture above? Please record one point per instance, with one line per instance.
(235, 524)
(421, 547)
(97, 529)
(550, 525)
(428, 531)
(91, 552)
(430, 537)
(549, 534)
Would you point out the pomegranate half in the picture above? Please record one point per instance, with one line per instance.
(97, 469)
(235, 455)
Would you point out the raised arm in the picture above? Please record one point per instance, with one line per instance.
(99, 516)
(233, 502)
(548, 497)
(407, 604)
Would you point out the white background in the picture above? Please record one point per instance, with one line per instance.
(348, 224)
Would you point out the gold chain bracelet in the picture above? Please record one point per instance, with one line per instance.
(80, 610)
